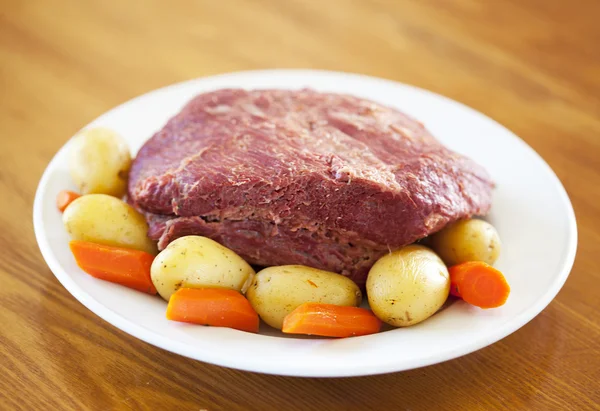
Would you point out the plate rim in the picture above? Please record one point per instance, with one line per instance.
(176, 347)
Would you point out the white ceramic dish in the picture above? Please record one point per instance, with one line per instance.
(531, 211)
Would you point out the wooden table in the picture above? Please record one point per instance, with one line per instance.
(533, 65)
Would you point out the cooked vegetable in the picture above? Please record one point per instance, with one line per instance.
(124, 266)
(102, 219)
(213, 306)
(328, 320)
(99, 162)
(467, 240)
(407, 286)
(277, 291)
(479, 284)
(64, 198)
(199, 262)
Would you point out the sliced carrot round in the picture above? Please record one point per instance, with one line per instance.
(328, 320)
(479, 284)
(64, 198)
(124, 266)
(217, 307)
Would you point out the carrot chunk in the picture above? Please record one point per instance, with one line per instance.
(218, 307)
(64, 198)
(124, 266)
(328, 320)
(479, 284)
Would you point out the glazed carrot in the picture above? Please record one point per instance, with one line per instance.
(218, 307)
(479, 284)
(64, 198)
(124, 266)
(328, 320)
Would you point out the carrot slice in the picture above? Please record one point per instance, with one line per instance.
(64, 198)
(328, 320)
(479, 284)
(124, 266)
(218, 307)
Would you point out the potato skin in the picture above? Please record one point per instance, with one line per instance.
(407, 286)
(99, 162)
(277, 291)
(103, 219)
(467, 240)
(199, 262)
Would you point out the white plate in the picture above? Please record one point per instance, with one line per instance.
(531, 211)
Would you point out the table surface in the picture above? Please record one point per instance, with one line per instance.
(533, 65)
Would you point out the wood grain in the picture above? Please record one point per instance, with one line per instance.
(533, 65)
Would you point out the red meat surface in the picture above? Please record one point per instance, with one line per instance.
(301, 177)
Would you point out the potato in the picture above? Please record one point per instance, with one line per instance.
(277, 291)
(99, 162)
(467, 240)
(407, 286)
(103, 219)
(198, 262)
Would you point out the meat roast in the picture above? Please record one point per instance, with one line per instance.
(326, 180)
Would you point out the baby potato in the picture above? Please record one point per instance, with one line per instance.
(467, 240)
(103, 219)
(407, 286)
(99, 162)
(199, 262)
(277, 291)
